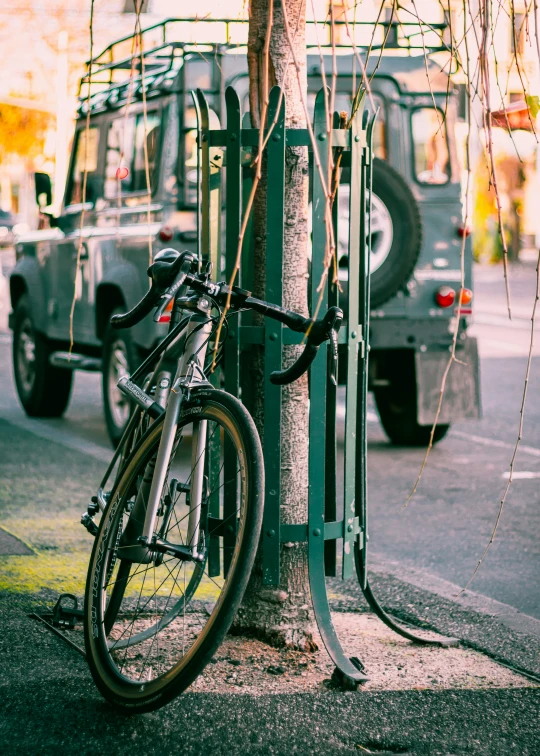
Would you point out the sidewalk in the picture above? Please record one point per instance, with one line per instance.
(49, 704)
(418, 700)
(471, 700)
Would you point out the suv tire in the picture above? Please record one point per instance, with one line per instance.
(397, 411)
(406, 233)
(120, 357)
(43, 390)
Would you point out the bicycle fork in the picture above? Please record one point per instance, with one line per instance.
(148, 542)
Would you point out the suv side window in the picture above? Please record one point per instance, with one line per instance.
(86, 157)
(119, 154)
(126, 148)
(148, 132)
(430, 144)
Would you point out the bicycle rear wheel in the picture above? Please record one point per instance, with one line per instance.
(153, 620)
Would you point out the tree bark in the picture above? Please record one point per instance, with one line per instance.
(283, 615)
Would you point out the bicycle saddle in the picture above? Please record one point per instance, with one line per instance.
(166, 265)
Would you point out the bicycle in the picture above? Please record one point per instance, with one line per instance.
(179, 530)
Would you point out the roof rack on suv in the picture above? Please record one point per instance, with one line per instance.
(165, 44)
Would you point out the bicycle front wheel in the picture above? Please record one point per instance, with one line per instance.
(154, 619)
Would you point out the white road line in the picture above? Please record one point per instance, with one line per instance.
(490, 348)
(45, 431)
(518, 323)
(521, 475)
(494, 442)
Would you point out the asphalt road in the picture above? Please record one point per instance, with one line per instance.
(446, 526)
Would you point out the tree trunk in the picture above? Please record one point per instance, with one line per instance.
(283, 615)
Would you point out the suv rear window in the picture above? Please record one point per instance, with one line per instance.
(430, 143)
(126, 148)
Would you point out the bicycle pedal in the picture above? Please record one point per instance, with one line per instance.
(65, 617)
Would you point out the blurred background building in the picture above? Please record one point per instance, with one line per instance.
(45, 43)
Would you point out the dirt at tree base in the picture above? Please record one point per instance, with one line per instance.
(245, 665)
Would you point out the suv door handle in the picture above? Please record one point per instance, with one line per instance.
(84, 252)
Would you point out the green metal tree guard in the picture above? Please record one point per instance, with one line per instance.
(233, 147)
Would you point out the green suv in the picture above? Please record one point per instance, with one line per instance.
(417, 228)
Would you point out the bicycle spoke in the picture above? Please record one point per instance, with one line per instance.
(158, 610)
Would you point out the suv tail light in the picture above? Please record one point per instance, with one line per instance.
(445, 297)
(165, 233)
(466, 296)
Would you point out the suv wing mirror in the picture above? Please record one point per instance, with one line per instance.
(42, 182)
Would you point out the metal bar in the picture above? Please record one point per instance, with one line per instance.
(356, 214)
(330, 493)
(211, 163)
(294, 533)
(294, 137)
(198, 450)
(213, 465)
(319, 301)
(273, 341)
(233, 220)
(255, 335)
(389, 621)
(204, 131)
(57, 632)
(345, 667)
(363, 316)
(199, 145)
(245, 319)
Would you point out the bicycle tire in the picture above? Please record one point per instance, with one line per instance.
(173, 666)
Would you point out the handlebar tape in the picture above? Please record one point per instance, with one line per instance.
(291, 374)
(321, 331)
(140, 311)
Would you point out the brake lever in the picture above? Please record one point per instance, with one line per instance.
(173, 290)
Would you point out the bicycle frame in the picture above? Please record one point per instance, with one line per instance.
(191, 336)
(190, 363)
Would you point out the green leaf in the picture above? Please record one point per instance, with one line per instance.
(533, 102)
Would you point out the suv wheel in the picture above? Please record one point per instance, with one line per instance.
(397, 411)
(120, 358)
(396, 403)
(396, 232)
(43, 390)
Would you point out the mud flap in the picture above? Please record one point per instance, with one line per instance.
(462, 391)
